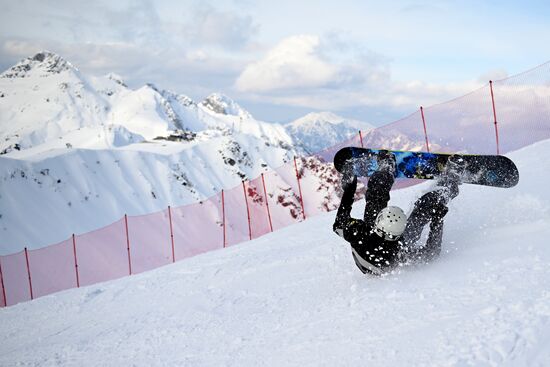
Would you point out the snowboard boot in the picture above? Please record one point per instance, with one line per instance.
(455, 165)
(386, 162)
(451, 177)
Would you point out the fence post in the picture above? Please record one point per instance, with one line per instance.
(425, 130)
(76, 263)
(267, 204)
(494, 115)
(29, 271)
(299, 188)
(247, 212)
(361, 138)
(223, 217)
(128, 245)
(171, 234)
(2, 283)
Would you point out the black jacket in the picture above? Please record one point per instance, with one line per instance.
(372, 253)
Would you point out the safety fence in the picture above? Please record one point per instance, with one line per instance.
(498, 118)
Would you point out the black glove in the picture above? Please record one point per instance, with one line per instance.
(338, 229)
(349, 182)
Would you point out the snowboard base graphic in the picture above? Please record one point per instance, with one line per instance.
(487, 170)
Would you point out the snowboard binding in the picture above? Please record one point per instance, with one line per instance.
(386, 162)
(451, 176)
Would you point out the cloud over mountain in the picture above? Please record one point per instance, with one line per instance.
(209, 26)
(293, 63)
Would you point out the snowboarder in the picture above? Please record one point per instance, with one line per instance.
(385, 238)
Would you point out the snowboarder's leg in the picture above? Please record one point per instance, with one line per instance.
(430, 208)
(378, 189)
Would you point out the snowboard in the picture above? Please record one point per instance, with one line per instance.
(487, 170)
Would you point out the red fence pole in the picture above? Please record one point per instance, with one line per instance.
(361, 138)
(299, 188)
(171, 234)
(494, 115)
(2, 283)
(247, 212)
(76, 263)
(128, 244)
(267, 204)
(28, 271)
(223, 218)
(425, 130)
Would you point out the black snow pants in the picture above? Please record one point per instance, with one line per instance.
(429, 209)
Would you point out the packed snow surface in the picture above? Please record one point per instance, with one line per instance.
(295, 298)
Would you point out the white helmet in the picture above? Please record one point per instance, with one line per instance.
(390, 223)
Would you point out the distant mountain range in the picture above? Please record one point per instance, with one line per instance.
(319, 130)
(44, 97)
(77, 152)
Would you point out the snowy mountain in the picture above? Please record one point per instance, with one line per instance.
(44, 97)
(221, 104)
(295, 298)
(78, 152)
(319, 130)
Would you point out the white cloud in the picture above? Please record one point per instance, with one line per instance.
(226, 29)
(131, 21)
(196, 48)
(330, 72)
(390, 99)
(197, 55)
(294, 63)
(196, 74)
(19, 48)
(495, 74)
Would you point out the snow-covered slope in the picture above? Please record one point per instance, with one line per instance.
(47, 197)
(295, 298)
(319, 130)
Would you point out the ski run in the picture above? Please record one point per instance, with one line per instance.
(295, 298)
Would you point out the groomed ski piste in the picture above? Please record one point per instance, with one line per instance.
(295, 298)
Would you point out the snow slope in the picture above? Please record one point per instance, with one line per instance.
(47, 197)
(295, 298)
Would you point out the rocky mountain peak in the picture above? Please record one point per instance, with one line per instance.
(318, 130)
(181, 98)
(319, 117)
(42, 64)
(222, 104)
(117, 79)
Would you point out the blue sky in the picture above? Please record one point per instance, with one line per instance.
(370, 60)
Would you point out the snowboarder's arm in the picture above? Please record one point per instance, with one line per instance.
(352, 230)
(377, 196)
(343, 216)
